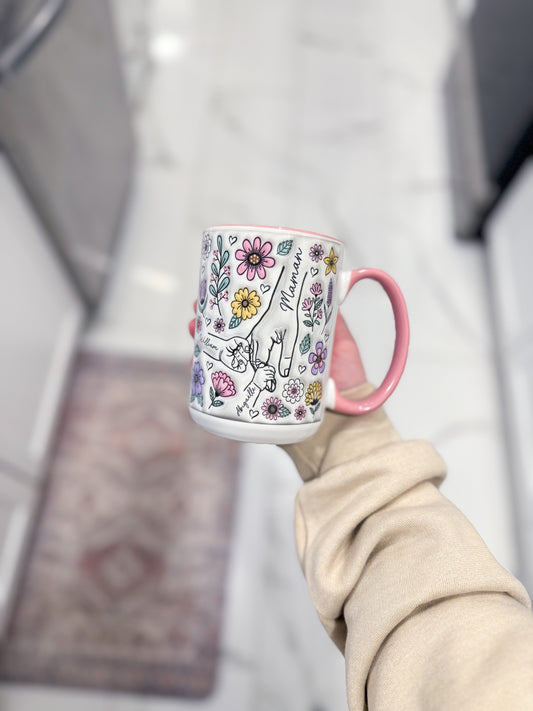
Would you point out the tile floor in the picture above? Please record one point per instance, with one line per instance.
(328, 117)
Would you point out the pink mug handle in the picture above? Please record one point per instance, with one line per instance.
(401, 346)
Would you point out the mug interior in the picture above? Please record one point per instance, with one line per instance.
(275, 230)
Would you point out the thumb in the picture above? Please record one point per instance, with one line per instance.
(347, 368)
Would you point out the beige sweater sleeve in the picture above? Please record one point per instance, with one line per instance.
(406, 588)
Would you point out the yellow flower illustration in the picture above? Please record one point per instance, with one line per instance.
(246, 303)
(331, 262)
(313, 394)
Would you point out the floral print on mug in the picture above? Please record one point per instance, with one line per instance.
(197, 382)
(263, 311)
(220, 276)
(318, 358)
(244, 306)
(293, 390)
(331, 262)
(254, 258)
(222, 387)
(313, 396)
(312, 306)
(274, 408)
(316, 252)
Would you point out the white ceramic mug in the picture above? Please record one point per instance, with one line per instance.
(266, 312)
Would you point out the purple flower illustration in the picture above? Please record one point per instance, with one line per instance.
(300, 412)
(316, 252)
(219, 325)
(197, 380)
(318, 358)
(316, 289)
(254, 258)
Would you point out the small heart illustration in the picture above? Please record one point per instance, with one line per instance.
(253, 414)
(207, 321)
(210, 364)
(302, 369)
(265, 288)
(314, 271)
(232, 239)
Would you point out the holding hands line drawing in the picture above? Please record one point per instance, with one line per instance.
(268, 343)
(271, 341)
(233, 352)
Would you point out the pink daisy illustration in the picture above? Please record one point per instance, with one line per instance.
(254, 258)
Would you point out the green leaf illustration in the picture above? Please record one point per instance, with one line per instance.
(308, 323)
(235, 321)
(305, 344)
(201, 400)
(214, 269)
(285, 247)
(319, 303)
(217, 403)
(284, 411)
(219, 243)
(223, 284)
(212, 290)
(211, 393)
(196, 351)
(225, 258)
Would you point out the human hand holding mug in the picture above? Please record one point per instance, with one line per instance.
(265, 330)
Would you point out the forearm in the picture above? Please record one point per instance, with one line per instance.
(382, 551)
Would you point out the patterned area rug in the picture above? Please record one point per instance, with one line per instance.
(124, 584)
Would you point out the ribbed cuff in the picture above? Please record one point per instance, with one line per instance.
(342, 438)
